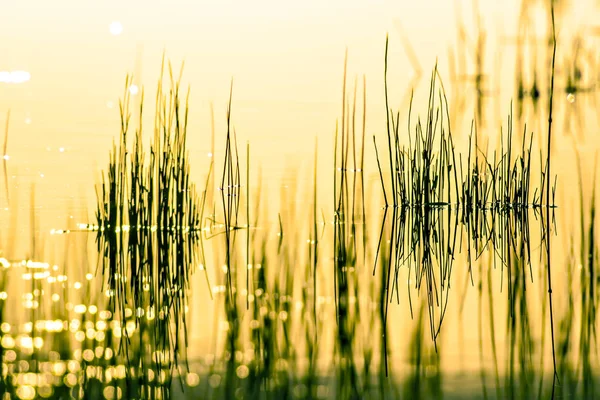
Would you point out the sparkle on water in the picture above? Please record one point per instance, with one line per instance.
(115, 28)
(134, 89)
(14, 77)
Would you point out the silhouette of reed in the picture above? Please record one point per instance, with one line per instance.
(304, 301)
(148, 229)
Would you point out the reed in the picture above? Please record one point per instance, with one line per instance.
(148, 224)
(304, 305)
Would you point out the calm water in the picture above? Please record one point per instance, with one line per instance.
(483, 278)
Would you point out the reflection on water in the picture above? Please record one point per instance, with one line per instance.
(14, 77)
(75, 351)
(212, 292)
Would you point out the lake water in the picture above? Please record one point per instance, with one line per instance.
(482, 276)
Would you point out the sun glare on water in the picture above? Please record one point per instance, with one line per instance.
(14, 76)
(115, 28)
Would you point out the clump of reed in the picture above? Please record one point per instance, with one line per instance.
(429, 172)
(148, 227)
(488, 194)
(349, 240)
